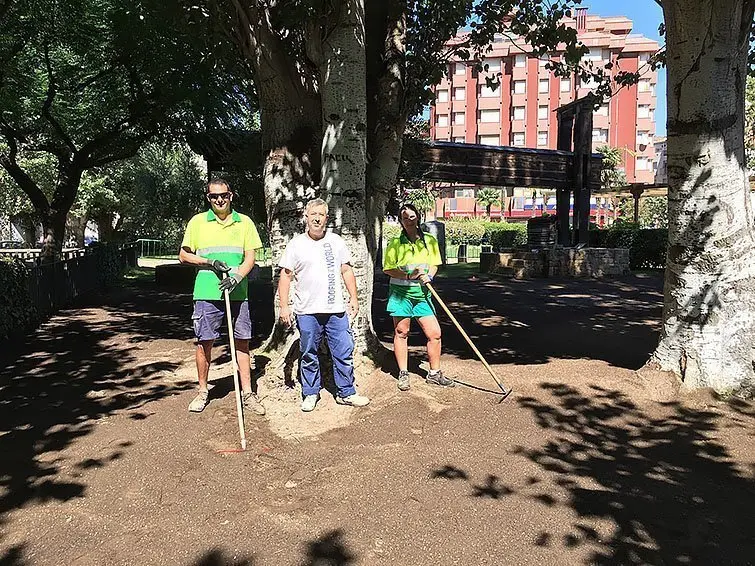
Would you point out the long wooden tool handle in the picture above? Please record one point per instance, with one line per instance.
(467, 338)
(232, 343)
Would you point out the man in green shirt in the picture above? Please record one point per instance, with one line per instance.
(221, 241)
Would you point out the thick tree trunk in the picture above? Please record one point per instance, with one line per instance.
(709, 295)
(344, 149)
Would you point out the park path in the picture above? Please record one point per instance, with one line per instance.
(102, 464)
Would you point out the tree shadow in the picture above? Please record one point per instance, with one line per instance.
(535, 321)
(218, 557)
(84, 364)
(664, 486)
(329, 550)
(670, 489)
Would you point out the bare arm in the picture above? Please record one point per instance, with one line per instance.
(347, 272)
(284, 286)
(247, 265)
(186, 255)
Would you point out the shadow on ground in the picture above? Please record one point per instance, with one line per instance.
(665, 486)
(89, 361)
(534, 321)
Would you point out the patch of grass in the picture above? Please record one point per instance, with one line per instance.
(139, 274)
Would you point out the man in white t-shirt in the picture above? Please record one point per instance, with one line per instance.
(318, 260)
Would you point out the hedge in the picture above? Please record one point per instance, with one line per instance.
(474, 232)
(647, 246)
(17, 312)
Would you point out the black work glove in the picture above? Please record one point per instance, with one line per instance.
(219, 267)
(230, 283)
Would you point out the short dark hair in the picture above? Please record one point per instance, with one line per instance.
(219, 181)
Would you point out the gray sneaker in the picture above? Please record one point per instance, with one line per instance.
(250, 401)
(199, 402)
(403, 380)
(439, 379)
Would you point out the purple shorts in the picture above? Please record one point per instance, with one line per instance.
(209, 316)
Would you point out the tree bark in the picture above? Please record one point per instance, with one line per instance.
(709, 292)
(344, 149)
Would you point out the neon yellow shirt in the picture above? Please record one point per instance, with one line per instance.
(407, 256)
(208, 237)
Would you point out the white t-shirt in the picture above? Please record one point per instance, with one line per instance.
(316, 265)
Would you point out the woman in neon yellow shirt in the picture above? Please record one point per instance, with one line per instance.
(411, 260)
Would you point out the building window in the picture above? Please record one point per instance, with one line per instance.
(643, 111)
(488, 92)
(460, 69)
(542, 138)
(643, 137)
(543, 61)
(517, 138)
(643, 164)
(520, 60)
(542, 85)
(598, 54)
(494, 65)
(602, 110)
(652, 89)
(458, 118)
(463, 193)
(493, 115)
(566, 85)
(542, 112)
(600, 135)
(441, 96)
(643, 85)
(441, 120)
(489, 140)
(644, 58)
(460, 93)
(518, 113)
(459, 139)
(519, 87)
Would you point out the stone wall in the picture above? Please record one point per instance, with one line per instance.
(557, 262)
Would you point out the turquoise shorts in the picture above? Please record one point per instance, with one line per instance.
(401, 306)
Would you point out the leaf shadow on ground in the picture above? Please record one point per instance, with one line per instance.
(329, 549)
(534, 321)
(78, 368)
(665, 486)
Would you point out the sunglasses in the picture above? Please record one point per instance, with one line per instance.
(218, 196)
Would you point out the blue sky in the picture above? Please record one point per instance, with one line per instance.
(647, 16)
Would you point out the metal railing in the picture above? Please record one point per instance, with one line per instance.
(160, 249)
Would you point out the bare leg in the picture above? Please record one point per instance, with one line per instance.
(431, 328)
(203, 356)
(400, 341)
(245, 367)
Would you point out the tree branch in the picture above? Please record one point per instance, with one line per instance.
(21, 177)
(48, 104)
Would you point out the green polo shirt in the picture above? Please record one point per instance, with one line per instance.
(208, 237)
(405, 255)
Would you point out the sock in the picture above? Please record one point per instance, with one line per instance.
(434, 372)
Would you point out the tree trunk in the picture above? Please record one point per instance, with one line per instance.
(344, 149)
(75, 228)
(709, 294)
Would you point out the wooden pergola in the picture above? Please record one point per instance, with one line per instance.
(572, 168)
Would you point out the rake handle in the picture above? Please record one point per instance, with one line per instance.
(467, 338)
(236, 386)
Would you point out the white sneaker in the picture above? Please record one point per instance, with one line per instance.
(353, 400)
(199, 402)
(309, 403)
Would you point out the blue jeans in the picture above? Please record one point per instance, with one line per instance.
(341, 344)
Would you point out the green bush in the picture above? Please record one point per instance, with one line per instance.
(506, 235)
(390, 231)
(111, 263)
(17, 312)
(465, 232)
(647, 246)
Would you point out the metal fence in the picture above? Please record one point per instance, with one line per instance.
(160, 249)
(472, 252)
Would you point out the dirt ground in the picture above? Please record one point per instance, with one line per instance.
(583, 464)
